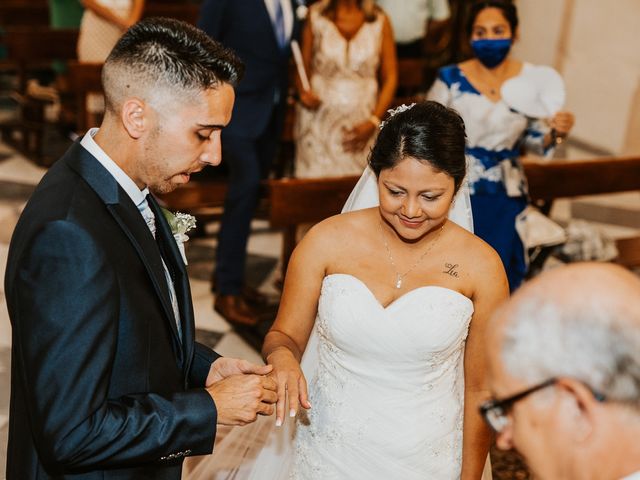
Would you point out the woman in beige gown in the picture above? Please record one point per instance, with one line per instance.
(349, 54)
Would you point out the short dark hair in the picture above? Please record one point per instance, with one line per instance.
(428, 132)
(171, 53)
(509, 11)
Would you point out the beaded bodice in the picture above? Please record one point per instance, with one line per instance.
(388, 394)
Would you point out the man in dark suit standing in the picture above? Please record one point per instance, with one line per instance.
(107, 380)
(260, 32)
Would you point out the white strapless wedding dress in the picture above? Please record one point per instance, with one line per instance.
(387, 398)
(386, 386)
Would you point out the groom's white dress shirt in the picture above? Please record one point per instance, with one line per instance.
(139, 198)
(633, 476)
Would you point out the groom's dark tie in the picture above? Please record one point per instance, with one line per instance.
(278, 25)
(150, 218)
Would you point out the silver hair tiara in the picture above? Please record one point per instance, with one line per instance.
(394, 111)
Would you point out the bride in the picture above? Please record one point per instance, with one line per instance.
(389, 305)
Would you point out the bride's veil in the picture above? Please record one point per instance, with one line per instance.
(262, 451)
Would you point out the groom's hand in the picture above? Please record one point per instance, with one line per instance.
(224, 367)
(240, 399)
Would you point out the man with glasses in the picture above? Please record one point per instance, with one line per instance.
(564, 369)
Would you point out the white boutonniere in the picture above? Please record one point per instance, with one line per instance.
(180, 224)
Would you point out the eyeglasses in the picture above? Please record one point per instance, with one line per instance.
(495, 412)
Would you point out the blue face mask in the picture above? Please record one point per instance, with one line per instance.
(491, 53)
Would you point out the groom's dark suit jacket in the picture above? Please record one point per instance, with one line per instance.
(101, 386)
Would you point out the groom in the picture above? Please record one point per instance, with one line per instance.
(107, 380)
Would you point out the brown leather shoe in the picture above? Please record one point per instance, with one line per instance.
(251, 295)
(235, 310)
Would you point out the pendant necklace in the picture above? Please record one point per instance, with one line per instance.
(400, 276)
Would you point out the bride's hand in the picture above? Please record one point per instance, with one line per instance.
(291, 383)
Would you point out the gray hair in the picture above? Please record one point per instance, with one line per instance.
(591, 340)
(160, 55)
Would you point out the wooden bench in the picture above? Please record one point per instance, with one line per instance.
(204, 199)
(286, 202)
(30, 49)
(187, 12)
(15, 14)
(296, 201)
(549, 181)
(84, 79)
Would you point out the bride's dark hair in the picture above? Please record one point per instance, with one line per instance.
(428, 132)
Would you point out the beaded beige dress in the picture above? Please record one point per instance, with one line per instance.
(344, 76)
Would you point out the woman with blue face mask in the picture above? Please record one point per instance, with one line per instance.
(498, 133)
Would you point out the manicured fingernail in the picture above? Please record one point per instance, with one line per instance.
(278, 422)
(292, 413)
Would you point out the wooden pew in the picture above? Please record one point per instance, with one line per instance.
(295, 201)
(31, 14)
(187, 12)
(286, 202)
(35, 13)
(204, 199)
(549, 180)
(84, 78)
(30, 49)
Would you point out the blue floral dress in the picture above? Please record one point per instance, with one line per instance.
(496, 136)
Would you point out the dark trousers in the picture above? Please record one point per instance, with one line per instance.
(414, 49)
(248, 161)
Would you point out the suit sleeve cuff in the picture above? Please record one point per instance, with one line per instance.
(202, 360)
